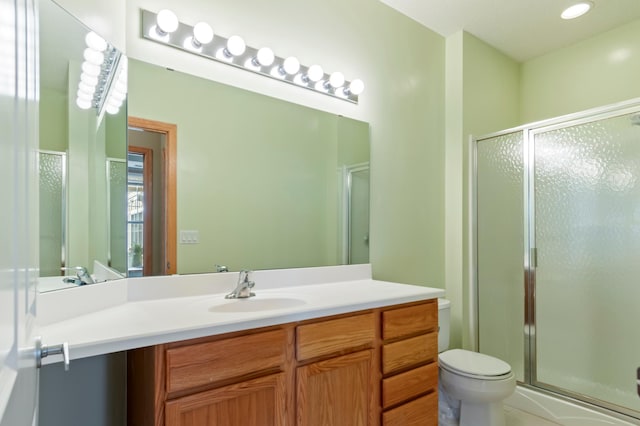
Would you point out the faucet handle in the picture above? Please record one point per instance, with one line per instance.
(81, 272)
(243, 277)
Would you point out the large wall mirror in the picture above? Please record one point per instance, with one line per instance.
(261, 183)
(82, 161)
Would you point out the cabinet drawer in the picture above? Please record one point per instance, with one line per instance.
(407, 353)
(210, 362)
(421, 412)
(405, 386)
(334, 336)
(410, 320)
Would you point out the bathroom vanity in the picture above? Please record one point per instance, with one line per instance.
(371, 367)
(315, 343)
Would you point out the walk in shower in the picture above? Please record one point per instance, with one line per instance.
(557, 254)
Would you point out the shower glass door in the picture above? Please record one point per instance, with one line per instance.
(585, 203)
(500, 243)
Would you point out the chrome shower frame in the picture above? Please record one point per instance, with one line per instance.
(529, 131)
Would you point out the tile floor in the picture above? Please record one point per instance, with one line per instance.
(515, 417)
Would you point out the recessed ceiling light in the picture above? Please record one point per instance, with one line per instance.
(576, 10)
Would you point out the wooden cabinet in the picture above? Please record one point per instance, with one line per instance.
(409, 365)
(336, 391)
(369, 368)
(237, 379)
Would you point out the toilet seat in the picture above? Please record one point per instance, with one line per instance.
(474, 365)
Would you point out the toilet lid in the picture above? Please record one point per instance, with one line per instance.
(473, 364)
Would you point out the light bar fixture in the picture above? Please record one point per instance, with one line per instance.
(103, 81)
(165, 28)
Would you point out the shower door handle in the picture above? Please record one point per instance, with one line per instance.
(638, 380)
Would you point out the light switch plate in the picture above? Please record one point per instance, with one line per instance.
(189, 237)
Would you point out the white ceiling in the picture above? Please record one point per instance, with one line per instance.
(522, 29)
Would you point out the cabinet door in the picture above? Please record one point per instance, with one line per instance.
(337, 391)
(257, 402)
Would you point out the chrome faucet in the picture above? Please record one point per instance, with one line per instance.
(83, 276)
(243, 289)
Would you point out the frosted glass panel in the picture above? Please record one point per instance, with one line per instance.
(587, 231)
(52, 219)
(501, 249)
(117, 189)
(359, 209)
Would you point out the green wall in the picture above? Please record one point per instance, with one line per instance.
(482, 97)
(599, 71)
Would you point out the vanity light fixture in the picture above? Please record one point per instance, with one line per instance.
(165, 28)
(103, 81)
(576, 10)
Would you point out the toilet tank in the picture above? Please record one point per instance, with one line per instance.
(444, 317)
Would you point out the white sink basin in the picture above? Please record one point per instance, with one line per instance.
(257, 303)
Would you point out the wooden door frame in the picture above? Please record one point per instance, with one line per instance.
(169, 188)
(147, 200)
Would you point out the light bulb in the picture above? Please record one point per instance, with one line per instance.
(114, 102)
(291, 65)
(84, 95)
(118, 96)
(265, 56)
(576, 10)
(90, 69)
(93, 56)
(111, 109)
(124, 63)
(202, 33)
(90, 80)
(95, 42)
(83, 103)
(167, 21)
(121, 86)
(336, 79)
(355, 87)
(235, 45)
(315, 73)
(86, 88)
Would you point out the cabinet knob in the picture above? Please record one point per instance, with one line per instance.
(43, 351)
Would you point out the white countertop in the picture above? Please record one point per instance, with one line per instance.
(139, 312)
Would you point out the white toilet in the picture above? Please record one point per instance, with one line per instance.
(480, 382)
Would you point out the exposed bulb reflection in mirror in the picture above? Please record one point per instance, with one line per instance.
(93, 56)
(95, 42)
